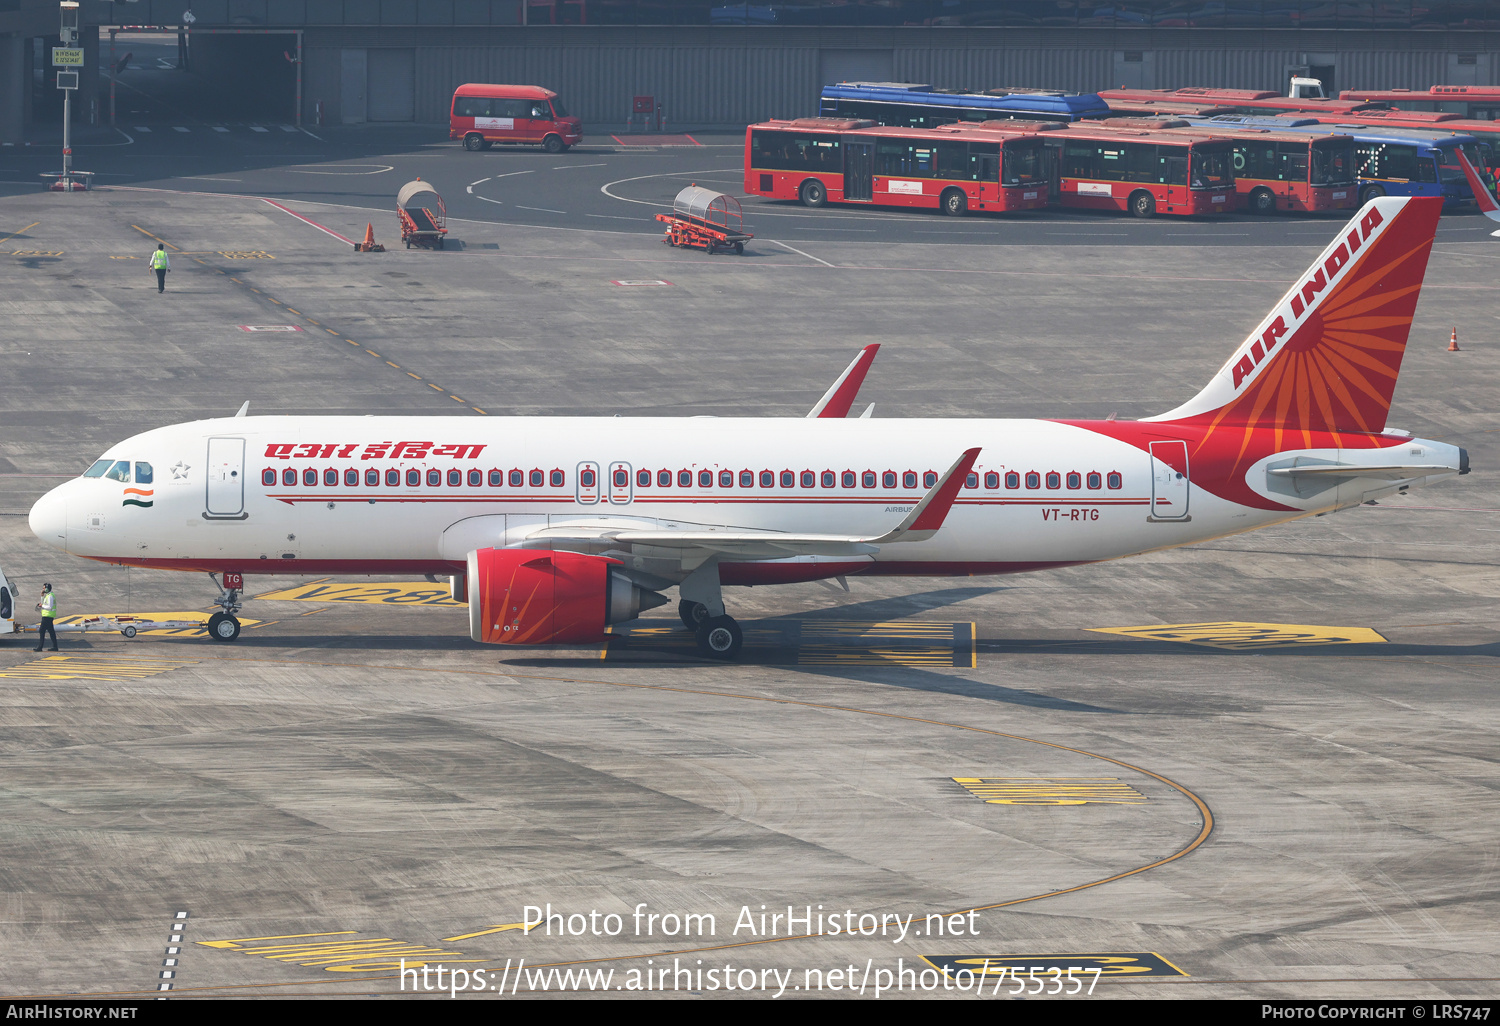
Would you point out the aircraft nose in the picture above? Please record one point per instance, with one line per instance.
(49, 519)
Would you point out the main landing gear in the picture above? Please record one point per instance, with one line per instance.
(702, 612)
(223, 626)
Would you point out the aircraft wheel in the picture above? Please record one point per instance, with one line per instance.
(719, 637)
(223, 627)
(692, 613)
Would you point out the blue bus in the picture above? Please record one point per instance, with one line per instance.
(908, 105)
(1391, 160)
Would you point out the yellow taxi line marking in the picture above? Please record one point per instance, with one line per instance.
(290, 310)
(235, 280)
(372, 352)
(349, 340)
(395, 365)
(455, 398)
(1051, 790)
(478, 410)
(143, 231)
(411, 375)
(431, 385)
(13, 234)
(311, 321)
(330, 331)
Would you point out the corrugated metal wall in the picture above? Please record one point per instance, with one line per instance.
(734, 77)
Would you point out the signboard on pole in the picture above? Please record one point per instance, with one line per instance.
(67, 80)
(65, 57)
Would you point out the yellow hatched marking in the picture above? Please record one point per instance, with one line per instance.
(1234, 634)
(1114, 964)
(343, 952)
(91, 667)
(1051, 790)
(245, 254)
(395, 594)
(817, 655)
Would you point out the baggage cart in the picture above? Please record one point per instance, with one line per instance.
(424, 217)
(708, 220)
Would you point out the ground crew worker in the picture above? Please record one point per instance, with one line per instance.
(48, 607)
(161, 265)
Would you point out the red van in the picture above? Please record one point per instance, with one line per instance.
(483, 114)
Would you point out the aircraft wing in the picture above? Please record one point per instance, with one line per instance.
(921, 523)
(840, 396)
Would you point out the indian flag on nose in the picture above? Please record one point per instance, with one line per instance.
(144, 501)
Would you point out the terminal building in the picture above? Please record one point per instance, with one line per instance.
(391, 61)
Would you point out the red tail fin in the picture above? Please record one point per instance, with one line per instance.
(1326, 358)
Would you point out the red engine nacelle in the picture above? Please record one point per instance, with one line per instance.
(541, 597)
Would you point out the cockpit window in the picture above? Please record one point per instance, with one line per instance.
(119, 472)
(143, 473)
(98, 469)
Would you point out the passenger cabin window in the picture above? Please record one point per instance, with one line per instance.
(1094, 480)
(808, 479)
(788, 479)
(867, 479)
(517, 479)
(330, 478)
(456, 478)
(1074, 480)
(1012, 479)
(664, 479)
(705, 479)
(557, 479)
(289, 477)
(586, 478)
(643, 479)
(1054, 480)
(909, 479)
(434, 478)
(992, 480)
(143, 473)
(972, 481)
(536, 478)
(392, 478)
(268, 477)
(684, 479)
(476, 479)
(929, 479)
(372, 479)
(767, 479)
(1033, 479)
(829, 479)
(747, 479)
(726, 479)
(1114, 479)
(622, 479)
(99, 467)
(351, 478)
(310, 478)
(849, 478)
(888, 479)
(121, 472)
(413, 478)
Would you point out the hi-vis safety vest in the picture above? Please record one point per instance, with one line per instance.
(49, 605)
(159, 261)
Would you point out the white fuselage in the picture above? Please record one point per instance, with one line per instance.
(275, 494)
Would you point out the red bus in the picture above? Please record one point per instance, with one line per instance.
(1287, 170)
(954, 168)
(1231, 101)
(1119, 165)
(1478, 103)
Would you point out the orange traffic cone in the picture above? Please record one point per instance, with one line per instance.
(1453, 342)
(369, 245)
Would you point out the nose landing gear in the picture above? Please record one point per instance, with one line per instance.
(223, 626)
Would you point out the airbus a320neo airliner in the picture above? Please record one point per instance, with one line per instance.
(553, 528)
